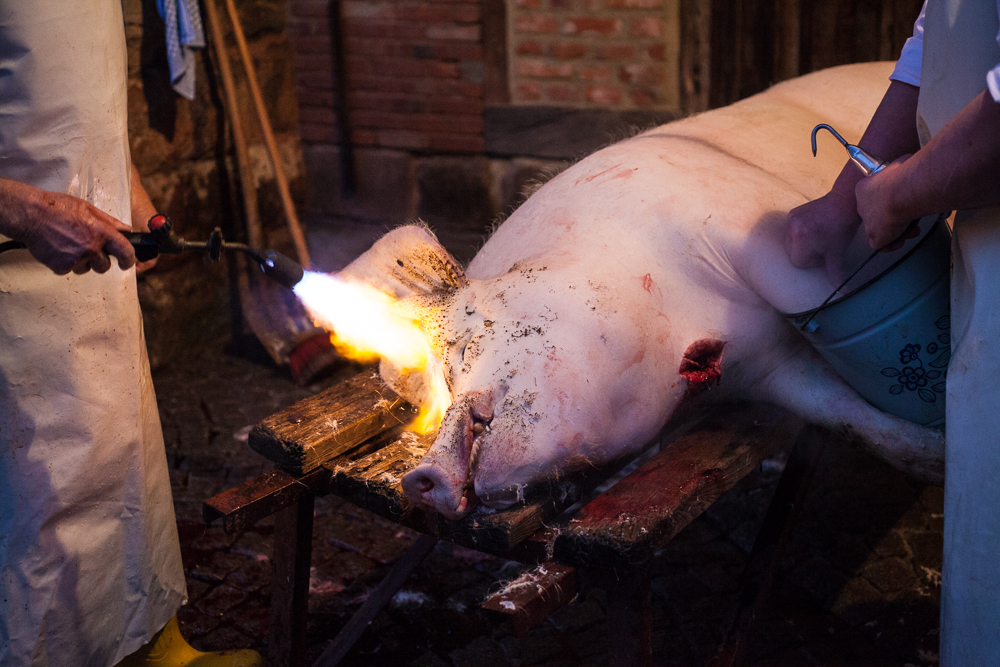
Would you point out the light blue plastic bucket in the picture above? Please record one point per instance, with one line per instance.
(889, 335)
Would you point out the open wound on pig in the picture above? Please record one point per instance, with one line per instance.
(702, 365)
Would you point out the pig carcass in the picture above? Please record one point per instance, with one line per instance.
(648, 277)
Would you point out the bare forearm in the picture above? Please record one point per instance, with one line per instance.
(891, 133)
(958, 169)
(142, 206)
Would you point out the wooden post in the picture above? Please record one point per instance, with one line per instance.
(290, 585)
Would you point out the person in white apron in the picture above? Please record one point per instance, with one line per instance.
(90, 568)
(948, 80)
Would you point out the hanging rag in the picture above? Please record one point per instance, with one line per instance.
(182, 20)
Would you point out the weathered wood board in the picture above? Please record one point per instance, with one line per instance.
(303, 436)
(625, 525)
(532, 597)
(374, 482)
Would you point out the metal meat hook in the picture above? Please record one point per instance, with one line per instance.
(863, 160)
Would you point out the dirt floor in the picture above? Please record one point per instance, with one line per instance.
(859, 586)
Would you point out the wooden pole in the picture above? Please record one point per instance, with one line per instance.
(272, 145)
(254, 234)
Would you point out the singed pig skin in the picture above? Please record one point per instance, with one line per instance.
(650, 275)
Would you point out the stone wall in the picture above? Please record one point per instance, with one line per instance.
(184, 154)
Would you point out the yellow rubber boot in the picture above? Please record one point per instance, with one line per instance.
(167, 648)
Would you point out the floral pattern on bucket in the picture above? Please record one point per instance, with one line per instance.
(927, 381)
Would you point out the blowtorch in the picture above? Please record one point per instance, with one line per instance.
(161, 239)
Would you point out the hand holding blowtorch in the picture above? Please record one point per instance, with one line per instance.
(161, 239)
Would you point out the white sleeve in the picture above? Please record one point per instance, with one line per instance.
(908, 66)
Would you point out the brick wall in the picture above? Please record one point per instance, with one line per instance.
(414, 72)
(618, 54)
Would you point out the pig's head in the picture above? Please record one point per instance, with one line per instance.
(529, 397)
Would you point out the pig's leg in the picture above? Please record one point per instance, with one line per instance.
(805, 384)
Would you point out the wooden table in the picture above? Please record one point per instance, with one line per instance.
(348, 441)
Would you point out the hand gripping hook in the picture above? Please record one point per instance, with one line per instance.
(863, 160)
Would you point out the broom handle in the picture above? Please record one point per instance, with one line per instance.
(254, 233)
(272, 145)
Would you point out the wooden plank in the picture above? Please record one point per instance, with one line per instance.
(625, 525)
(374, 482)
(535, 595)
(293, 527)
(500, 532)
(272, 491)
(262, 496)
(302, 437)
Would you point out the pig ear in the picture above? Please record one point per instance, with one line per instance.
(406, 261)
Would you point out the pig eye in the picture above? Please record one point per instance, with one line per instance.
(457, 354)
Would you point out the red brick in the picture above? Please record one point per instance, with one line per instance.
(644, 97)
(363, 137)
(314, 79)
(633, 4)
(311, 44)
(529, 4)
(455, 105)
(402, 139)
(540, 68)
(560, 5)
(463, 33)
(529, 90)
(395, 103)
(614, 51)
(466, 13)
(559, 93)
(598, 73)
(317, 134)
(657, 51)
(536, 23)
(303, 27)
(307, 9)
(407, 12)
(417, 122)
(529, 47)
(382, 30)
(317, 97)
(646, 27)
(604, 94)
(317, 115)
(447, 88)
(465, 143)
(319, 62)
(641, 74)
(458, 51)
(567, 51)
(382, 83)
(591, 24)
(446, 70)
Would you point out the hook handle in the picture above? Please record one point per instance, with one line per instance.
(863, 160)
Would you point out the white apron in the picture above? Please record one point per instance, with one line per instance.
(959, 49)
(89, 557)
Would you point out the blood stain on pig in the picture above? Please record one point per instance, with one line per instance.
(701, 365)
(647, 283)
(588, 179)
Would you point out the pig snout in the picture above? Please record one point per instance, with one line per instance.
(444, 479)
